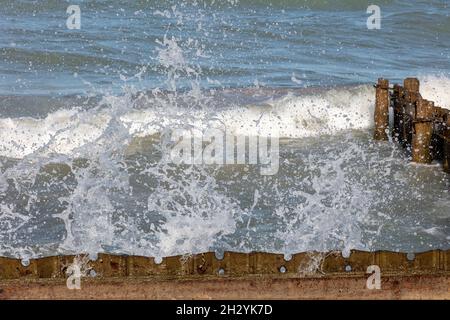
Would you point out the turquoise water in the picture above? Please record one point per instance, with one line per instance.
(84, 113)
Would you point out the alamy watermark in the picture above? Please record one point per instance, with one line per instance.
(74, 19)
(78, 269)
(73, 281)
(374, 20)
(217, 147)
(374, 280)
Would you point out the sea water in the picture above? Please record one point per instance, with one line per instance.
(84, 114)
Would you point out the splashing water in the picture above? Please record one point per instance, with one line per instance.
(89, 174)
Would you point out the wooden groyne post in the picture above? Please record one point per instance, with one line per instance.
(382, 110)
(423, 130)
(418, 125)
(446, 146)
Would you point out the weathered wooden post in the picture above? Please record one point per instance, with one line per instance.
(446, 153)
(412, 86)
(411, 96)
(437, 139)
(398, 112)
(382, 110)
(423, 130)
(403, 118)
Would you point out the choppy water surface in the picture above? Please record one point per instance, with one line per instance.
(84, 113)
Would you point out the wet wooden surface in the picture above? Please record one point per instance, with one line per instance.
(260, 287)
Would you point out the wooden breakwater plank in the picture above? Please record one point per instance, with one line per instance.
(433, 286)
(232, 264)
(418, 125)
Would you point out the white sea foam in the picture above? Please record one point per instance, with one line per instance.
(60, 132)
(437, 89)
(291, 116)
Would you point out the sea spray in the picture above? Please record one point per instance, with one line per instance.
(95, 179)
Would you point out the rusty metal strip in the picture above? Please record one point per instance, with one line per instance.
(234, 264)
